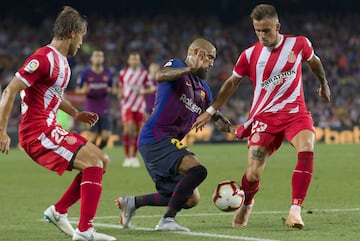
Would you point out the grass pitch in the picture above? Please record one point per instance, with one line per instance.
(331, 211)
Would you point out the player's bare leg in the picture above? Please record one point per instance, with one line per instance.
(257, 156)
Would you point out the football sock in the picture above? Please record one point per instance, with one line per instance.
(90, 190)
(71, 196)
(184, 189)
(135, 146)
(154, 199)
(103, 144)
(126, 143)
(301, 177)
(250, 189)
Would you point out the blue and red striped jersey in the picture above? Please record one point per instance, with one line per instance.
(178, 103)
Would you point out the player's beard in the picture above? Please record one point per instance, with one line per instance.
(201, 73)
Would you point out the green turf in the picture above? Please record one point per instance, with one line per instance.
(331, 211)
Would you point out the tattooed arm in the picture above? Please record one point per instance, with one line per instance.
(318, 70)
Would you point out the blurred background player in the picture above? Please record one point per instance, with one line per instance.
(150, 98)
(42, 81)
(96, 83)
(134, 84)
(278, 111)
(182, 96)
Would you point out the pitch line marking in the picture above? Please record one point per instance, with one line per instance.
(223, 214)
(200, 234)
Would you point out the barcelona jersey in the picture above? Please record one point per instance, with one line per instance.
(178, 103)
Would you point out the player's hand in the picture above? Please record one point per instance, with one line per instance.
(88, 117)
(199, 58)
(201, 121)
(238, 131)
(4, 142)
(324, 92)
(221, 123)
(140, 91)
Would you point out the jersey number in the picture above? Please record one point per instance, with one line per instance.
(258, 126)
(58, 134)
(177, 143)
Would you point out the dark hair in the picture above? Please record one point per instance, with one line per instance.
(69, 20)
(134, 52)
(262, 11)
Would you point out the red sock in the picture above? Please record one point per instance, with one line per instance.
(302, 177)
(135, 146)
(126, 143)
(250, 189)
(71, 196)
(90, 195)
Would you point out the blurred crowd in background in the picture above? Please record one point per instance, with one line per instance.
(335, 37)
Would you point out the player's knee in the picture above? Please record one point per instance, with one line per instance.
(199, 171)
(307, 146)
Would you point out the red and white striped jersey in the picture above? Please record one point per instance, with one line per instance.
(132, 81)
(46, 74)
(276, 74)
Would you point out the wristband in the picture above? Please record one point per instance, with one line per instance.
(211, 110)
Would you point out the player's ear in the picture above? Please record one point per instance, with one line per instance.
(71, 34)
(278, 26)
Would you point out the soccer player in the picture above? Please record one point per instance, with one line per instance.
(41, 82)
(182, 96)
(150, 98)
(278, 109)
(133, 85)
(96, 82)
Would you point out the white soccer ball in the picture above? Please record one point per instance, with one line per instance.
(228, 196)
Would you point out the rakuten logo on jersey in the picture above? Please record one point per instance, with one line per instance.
(278, 79)
(190, 105)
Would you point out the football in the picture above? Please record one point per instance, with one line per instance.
(228, 196)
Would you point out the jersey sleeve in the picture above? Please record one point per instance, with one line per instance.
(81, 80)
(210, 98)
(241, 67)
(147, 80)
(35, 68)
(308, 50)
(121, 77)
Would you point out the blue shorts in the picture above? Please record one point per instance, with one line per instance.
(102, 124)
(162, 159)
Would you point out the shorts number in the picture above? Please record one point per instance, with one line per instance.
(177, 143)
(258, 126)
(58, 134)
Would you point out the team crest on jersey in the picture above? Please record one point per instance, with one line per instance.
(32, 66)
(105, 78)
(255, 137)
(71, 140)
(291, 57)
(202, 95)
